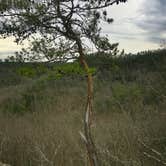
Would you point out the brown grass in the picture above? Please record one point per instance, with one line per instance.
(48, 135)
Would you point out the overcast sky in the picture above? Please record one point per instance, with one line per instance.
(138, 25)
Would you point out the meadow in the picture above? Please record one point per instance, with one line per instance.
(42, 108)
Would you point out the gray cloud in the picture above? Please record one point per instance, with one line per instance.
(153, 19)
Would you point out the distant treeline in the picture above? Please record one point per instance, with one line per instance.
(104, 66)
(152, 60)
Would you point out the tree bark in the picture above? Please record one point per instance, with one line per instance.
(90, 146)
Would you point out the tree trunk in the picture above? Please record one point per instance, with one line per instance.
(90, 146)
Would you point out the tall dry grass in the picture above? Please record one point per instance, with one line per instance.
(47, 133)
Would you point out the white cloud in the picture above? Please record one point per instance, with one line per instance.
(125, 30)
(8, 44)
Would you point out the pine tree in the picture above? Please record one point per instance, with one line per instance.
(60, 29)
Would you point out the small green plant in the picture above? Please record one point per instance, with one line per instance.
(27, 72)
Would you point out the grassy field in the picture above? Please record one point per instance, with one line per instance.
(42, 109)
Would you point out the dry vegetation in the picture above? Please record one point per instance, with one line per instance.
(40, 121)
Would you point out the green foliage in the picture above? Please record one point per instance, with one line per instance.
(69, 68)
(27, 72)
(32, 70)
(72, 69)
(55, 71)
(54, 76)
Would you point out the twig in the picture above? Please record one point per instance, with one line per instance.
(158, 158)
(150, 149)
(116, 158)
(154, 158)
(43, 156)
